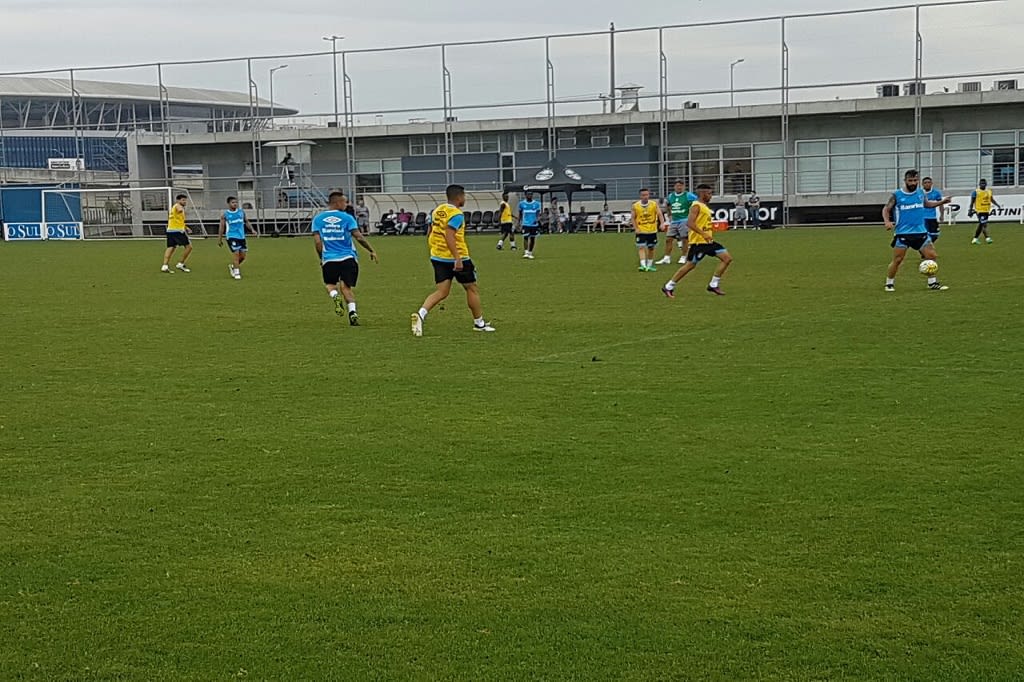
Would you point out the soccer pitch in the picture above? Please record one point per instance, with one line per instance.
(806, 479)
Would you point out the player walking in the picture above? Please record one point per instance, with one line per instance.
(449, 256)
(702, 244)
(982, 202)
(507, 225)
(529, 223)
(678, 205)
(334, 231)
(234, 224)
(909, 230)
(647, 220)
(932, 215)
(177, 235)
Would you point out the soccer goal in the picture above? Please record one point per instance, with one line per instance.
(111, 213)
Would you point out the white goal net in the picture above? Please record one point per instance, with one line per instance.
(111, 213)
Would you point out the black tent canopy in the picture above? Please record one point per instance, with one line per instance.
(555, 177)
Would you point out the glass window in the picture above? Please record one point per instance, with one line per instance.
(812, 167)
(530, 141)
(737, 167)
(392, 175)
(416, 146)
(706, 165)
(845, 162)
(489, 144)
(567, 138)
(677, 167)
(508, 169)
(962, 159)
(880, 167)
(583, 138)
(768, 168)
(634, 136)
(601, 137)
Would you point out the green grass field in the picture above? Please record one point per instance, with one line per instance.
(807, 479)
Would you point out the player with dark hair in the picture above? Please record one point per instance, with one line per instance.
(909, 231)
(177, 235)
(647, 220)
(529, 223)
(449, 256)
(702, 244)
(932, 215)
(506, 222)
(982, 202)
(334, 232)
(677, 205)
(234, 224)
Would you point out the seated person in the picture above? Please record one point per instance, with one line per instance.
(404, 221)
(605, 219)
(389, 221)
(580, 221)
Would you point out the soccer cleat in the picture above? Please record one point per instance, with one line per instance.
(669, 293)
(938, 286)
(642, 268)
(667, 260)
(528, 255)
(975, 241)
(988, 240)
(339, 306)
(166, 269)
(682, 261)
(717, 291)
(182, 267)
(353, 319)
(514, 247)
(499, 246)
(417, 325)
(237, 275)
(485, 327)
(889, 288)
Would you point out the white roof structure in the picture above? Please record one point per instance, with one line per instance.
(19, 87)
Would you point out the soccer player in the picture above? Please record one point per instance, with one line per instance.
(507, 225)
(678, 205)
(334, 231)
(909, 230)
(647, 220)
(529, 222)
(981, 204)
(234, 224)
(702, 244)
(932, 215)
(177, 235)
(449, 255)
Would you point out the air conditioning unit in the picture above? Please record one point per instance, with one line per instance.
(1005, 85)
(914, 88)
(689, 104)
(451, 119)
(969, 86)
(888, 90)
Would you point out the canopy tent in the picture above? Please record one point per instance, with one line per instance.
(555, 177)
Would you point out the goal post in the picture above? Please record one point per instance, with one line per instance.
(111, 212)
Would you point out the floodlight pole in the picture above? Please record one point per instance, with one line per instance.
(732, 81)
(272, 112)
(333, 39)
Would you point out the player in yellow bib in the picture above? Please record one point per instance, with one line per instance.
(647, 221)
(982, 202)
(702, 244)
(177, 235)
(449, 255)
(506, 222)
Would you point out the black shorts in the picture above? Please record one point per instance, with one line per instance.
(531, 230)
(237, 245)
(506, 228)
(699, 252)
(983, 218)
(647, 240)
(932, 225)
(915, 241)
(346, 271)
(445, 272)
(177, 238)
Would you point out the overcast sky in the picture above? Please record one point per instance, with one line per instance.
(43, 34)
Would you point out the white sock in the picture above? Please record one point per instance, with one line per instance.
(889, 281)
(715, 281)
(334, 294)
(423, 313)
(671, 286)
(933, 280)
(479, 322)
(352, 307)
(501, 242)
(643, 262)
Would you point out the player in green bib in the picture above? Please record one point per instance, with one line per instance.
(677, 205)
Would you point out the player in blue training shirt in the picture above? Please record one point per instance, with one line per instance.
(529, 222)
(234, 225)
(334, 234)
(932, 216)
(909, 230)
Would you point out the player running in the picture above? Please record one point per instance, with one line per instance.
(647, 220)
(507, 225)
(529, 223)
(177, 235)
(932, 215)
(234, 224)
(982, 202)
(678, 205)
(449, 255)
(909, 231)
(333, 233)
(702, 244)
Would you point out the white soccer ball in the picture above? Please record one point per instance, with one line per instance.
(928, 268)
